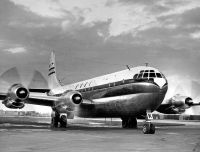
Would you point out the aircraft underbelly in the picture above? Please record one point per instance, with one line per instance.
(127, 104)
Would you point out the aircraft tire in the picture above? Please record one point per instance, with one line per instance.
(152, 129)
(146, 129)
(125, 123)
(54, 122)
(63, 121)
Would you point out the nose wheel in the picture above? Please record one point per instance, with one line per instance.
(148, 127)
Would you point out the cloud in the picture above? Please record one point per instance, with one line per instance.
(195, 35)
(126, 17)
(16, 50)
(45, 8)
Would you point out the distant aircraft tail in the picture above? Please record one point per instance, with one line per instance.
(52, 77)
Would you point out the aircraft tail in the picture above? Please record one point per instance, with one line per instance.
(52, 77)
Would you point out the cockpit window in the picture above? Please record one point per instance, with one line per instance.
(148, 74)
(152, 75)
(158, 75)
(145, 75)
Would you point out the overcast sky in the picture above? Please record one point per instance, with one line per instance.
(95, 37)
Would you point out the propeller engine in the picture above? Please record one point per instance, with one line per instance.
(16, 93)
(68, 101)
(177, 104)
(16, 96)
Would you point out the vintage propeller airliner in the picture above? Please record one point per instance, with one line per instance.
(126, 94)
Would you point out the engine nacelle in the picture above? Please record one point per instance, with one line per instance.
(12, 104)
(16, 96)
(176, 105)
(181, 101)
(68, 101)
(18, 92)
(74, 96)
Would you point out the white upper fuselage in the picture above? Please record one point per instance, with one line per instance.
(142, 71)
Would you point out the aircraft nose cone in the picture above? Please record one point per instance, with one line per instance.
(160, 82)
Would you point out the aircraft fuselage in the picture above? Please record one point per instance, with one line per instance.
(131, 99)
(125, 93)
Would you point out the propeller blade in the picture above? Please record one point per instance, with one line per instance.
(196, 104)
(38, 81)
(8, 78)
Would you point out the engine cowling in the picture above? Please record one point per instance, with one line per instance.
(74, 96)
(16, 96)
(12, 104)
(68, 101)
(176, 105)
(181, 101)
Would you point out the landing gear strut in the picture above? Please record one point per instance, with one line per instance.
(57, 119)
(54, 119)
(129, 122)
(148, 127)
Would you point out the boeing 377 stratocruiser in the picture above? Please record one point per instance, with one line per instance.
(126, 94)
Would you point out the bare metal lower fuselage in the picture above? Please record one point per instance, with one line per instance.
(131, 99)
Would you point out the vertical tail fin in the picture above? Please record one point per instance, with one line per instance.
(52, 78)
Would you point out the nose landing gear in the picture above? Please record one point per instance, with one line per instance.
(148, 127)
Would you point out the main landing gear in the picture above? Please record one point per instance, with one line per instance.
(58, 120)
(129, 122)
(148, 127)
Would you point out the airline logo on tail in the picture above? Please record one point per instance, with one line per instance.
(52, 80)
(51, 69)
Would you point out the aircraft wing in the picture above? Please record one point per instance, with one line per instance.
(42, 100)
(17, 96)
(39, 90)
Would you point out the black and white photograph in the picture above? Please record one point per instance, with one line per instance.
(100, 75)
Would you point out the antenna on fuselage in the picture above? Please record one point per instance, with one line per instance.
(128, 67)
(146, 64)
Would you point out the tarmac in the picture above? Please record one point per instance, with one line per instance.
(97, 135)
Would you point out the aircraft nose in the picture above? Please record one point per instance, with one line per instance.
(160, 82)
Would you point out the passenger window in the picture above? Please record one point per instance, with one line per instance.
(145, 75)
(135, 76)
(152, 75)
(146, 70)
(85, 84)
(81, 85)
(158, 75)
(76, 86)
(90, 83)
(151, 70)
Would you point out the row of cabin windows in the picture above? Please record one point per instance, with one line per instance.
(82, 85)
